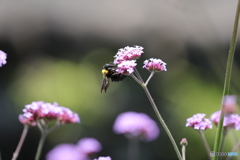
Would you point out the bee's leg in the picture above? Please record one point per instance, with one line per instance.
(105, 84)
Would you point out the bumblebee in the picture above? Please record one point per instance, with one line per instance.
(109, 72)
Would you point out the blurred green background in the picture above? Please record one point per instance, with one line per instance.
(56, 50)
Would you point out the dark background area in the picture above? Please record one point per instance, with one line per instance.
(56, 50)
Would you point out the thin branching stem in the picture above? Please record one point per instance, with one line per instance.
(206, 145)
(138, 75)
(20, 143)
(159, 116)
(183, 152)
(150, 77)
(40, 145)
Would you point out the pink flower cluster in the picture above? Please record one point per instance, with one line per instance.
(230, 120)
(81, 151)
(103, 158)
(199, 122)
(89, 146)
(42, 110)
(128, 53)
(125, 59)
(3, 57)
(155, 65)
(133, 124)
(126, 67)
(230, 104)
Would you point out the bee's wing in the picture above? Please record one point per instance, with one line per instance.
(105, 84)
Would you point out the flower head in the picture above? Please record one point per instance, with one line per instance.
(230, 104)
(199, 122)
(128, 53)
(126, 67)
(184, 142)
(89, 146)
(230, 120)
(103, 158)
(133, 124)
(3, 57)
(41, 110)
(155, 65)
(65, 152)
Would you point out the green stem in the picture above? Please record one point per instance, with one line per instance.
(162, 122)
(40, 145)
(183, 152)
(224, 134)
(218, 138)
(137, 80)
(151, 75)
(50, 130)
(159, 116)
(137, 74)
(133, 149)
(205, 143)
(20, 143)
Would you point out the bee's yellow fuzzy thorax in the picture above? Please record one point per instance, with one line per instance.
(104, 71)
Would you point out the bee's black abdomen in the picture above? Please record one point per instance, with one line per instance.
(118, 77)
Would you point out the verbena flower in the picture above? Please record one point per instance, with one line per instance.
(103, 158)
(184, 142)
(128, 53)
(41, 110)
(133, 124)
(230, 104)
(230, 120)
(199, 122)
(89, 146)
(126, 67)
(3, 57)
(66, 152)
(155, 65)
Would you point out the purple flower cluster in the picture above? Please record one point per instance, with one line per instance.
(128, 53)
(65, 152)
(84, 148)
(89, 146)
(103, 158)
(155, 65)
(133, 124)
(126, 67)
(230, 120)
(41, 110)
(230, 104)
(199, 122)
(3, 57)
(125, 59)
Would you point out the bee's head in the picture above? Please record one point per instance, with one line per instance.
(104, 71)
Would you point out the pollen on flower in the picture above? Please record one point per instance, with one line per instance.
(126, 67)
(155, 65)
(128, 53)
(42, 110)
(199, 122)
(133, 124)
(3, 57)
